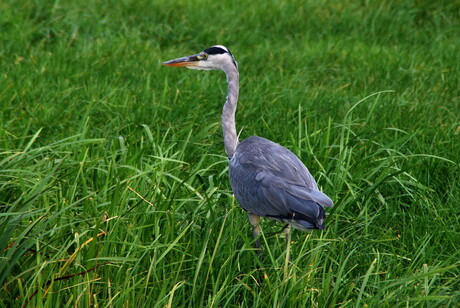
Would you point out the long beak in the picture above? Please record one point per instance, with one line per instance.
(184, 61)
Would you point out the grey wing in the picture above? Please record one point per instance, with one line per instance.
(269, 180)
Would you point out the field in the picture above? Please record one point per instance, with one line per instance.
(114, 186)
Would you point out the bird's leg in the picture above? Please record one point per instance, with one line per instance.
(287, 233)
(254, 220)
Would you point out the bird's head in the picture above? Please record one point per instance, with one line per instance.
(217, 57)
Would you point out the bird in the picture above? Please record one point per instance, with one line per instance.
(267, 179)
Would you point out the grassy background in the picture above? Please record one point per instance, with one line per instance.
(113, 179)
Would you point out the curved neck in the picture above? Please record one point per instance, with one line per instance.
(228, 112)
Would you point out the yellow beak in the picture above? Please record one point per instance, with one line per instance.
(184, 61)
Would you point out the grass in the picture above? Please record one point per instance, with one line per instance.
(113, 183)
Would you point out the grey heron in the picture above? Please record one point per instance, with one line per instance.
(267, 179)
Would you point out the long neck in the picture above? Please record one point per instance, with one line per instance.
(228, 112)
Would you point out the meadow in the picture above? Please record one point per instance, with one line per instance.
(114, 186)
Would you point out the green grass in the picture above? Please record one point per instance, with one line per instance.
(113, 179)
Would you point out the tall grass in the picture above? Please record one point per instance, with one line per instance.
(113, 180)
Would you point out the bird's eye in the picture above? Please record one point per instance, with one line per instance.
(204, 56)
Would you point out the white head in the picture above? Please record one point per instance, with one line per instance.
(217, 57)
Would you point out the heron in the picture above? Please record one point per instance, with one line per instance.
(267, 179)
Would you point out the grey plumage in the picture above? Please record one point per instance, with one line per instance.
(267, 179)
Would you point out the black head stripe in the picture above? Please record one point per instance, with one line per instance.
(215, 51)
